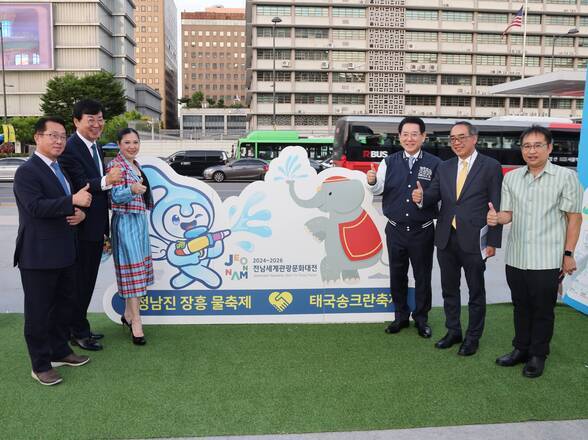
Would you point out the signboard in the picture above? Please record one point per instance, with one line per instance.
(27, 31)
(295, 247)
(575, 286)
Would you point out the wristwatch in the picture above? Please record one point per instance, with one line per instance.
(568, 253)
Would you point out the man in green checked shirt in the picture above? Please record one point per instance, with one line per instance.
(544, 202)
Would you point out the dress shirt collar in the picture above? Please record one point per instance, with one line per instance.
(549, 169)
(469, 160)
(45, 159)
(417, 155)
(86, 141)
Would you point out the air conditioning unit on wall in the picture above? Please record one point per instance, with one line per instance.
(286, 63)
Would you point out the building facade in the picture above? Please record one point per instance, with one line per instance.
(79, 36)
(213, 54)
(405, 57)
(156, 53)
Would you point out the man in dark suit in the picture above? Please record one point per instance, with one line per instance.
(465, 185)
(45, 251)
(83, 159)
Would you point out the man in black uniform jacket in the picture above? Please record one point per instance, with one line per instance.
(410, 232)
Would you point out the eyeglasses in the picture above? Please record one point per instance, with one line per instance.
(95, 121)
(460, 139)
(55, 137)
(536, 146)
(413, 135)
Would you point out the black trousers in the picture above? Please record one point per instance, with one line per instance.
(534, 294)
(48, 298)
(87, 265)
(451, 260)
(415, 246)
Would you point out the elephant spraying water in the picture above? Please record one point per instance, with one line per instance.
(351, 238)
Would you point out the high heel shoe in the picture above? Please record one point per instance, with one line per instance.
(124, 321)
(138, 340)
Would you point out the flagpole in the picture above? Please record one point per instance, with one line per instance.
(524, 49)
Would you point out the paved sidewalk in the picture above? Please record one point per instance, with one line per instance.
(561, 430)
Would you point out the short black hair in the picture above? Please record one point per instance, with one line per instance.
(41, 124)
(86, 107)
(412, 120)
(121, 133)
(472, 130)
(537, 129)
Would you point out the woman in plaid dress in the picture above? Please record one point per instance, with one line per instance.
(131, 198)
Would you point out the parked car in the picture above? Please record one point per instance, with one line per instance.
(249, 169)
(194, 162)
(320, 166)
(8, 166)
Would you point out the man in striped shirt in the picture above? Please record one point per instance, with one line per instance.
(543, 201)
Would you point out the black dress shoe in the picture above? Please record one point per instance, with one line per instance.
(396, 326)
(448, 340)
(87, 344)
(513, 358)
(96, 336)
(468, 348)
(534, 367)
(423, 329)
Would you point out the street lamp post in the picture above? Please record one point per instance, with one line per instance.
(275, 21)
(3, 72)
(553, 40)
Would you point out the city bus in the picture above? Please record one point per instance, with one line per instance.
(363, 140)
(267, 144)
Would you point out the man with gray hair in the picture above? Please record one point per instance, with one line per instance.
(465, 185)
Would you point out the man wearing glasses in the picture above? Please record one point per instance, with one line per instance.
(48, 215)
(410, 231)
(544, 202)
(83, 159)
(464, 185)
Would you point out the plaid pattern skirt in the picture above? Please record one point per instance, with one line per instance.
(131, 253)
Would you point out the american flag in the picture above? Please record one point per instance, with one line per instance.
(517, 21)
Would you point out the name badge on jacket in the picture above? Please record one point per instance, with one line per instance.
(425, 173)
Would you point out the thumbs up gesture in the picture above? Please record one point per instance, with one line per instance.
(371, 175)
(417, 194)
(83, 197)
(114, 176)
(492, 216)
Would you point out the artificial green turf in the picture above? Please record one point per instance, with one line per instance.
(261, 379)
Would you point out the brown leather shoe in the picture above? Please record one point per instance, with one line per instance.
(49, 377)
(72, 359)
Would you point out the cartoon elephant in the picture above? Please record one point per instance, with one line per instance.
(351, 238)
(180, 216)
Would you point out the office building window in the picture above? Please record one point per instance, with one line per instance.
(490, 60)
(453, 58)
(490, 39)
(421, 79)
(488, 17)
(456, 101)
(281, 76)
(421, 57)
(311, 11)
(532, 40)
(421, 36)
(281, 98)
(344, 55)
(266, 54)
(456, 80)
(532, 19)
(348, 77)
(456, 37)
(529, 61)
(266, 32)
(422, 15)
(457, 16)
(311, 98)
(561, 103)
(558, 62)
(311, 33)
(349, 99)
(489, 102)
(311, 76)
(274, 11)
(348, 12)
(560, 20)
(559, 42)
(348, 34)
(317, 55)
(420, 100)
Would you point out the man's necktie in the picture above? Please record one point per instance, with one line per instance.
(96, 159)
(61, 177)
(461, 178)
(411, 162)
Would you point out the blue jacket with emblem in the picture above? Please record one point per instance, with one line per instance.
(400, 181)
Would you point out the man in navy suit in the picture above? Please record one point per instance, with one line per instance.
(83, 159)
(45, 251)
(465, 185)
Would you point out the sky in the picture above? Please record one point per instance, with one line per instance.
(199, 5)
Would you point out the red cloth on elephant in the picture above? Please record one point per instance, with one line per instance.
(360, 238)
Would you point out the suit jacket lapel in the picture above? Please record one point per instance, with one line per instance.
(476, 167)
(86, 153)
(49, 174)
(453, 177)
